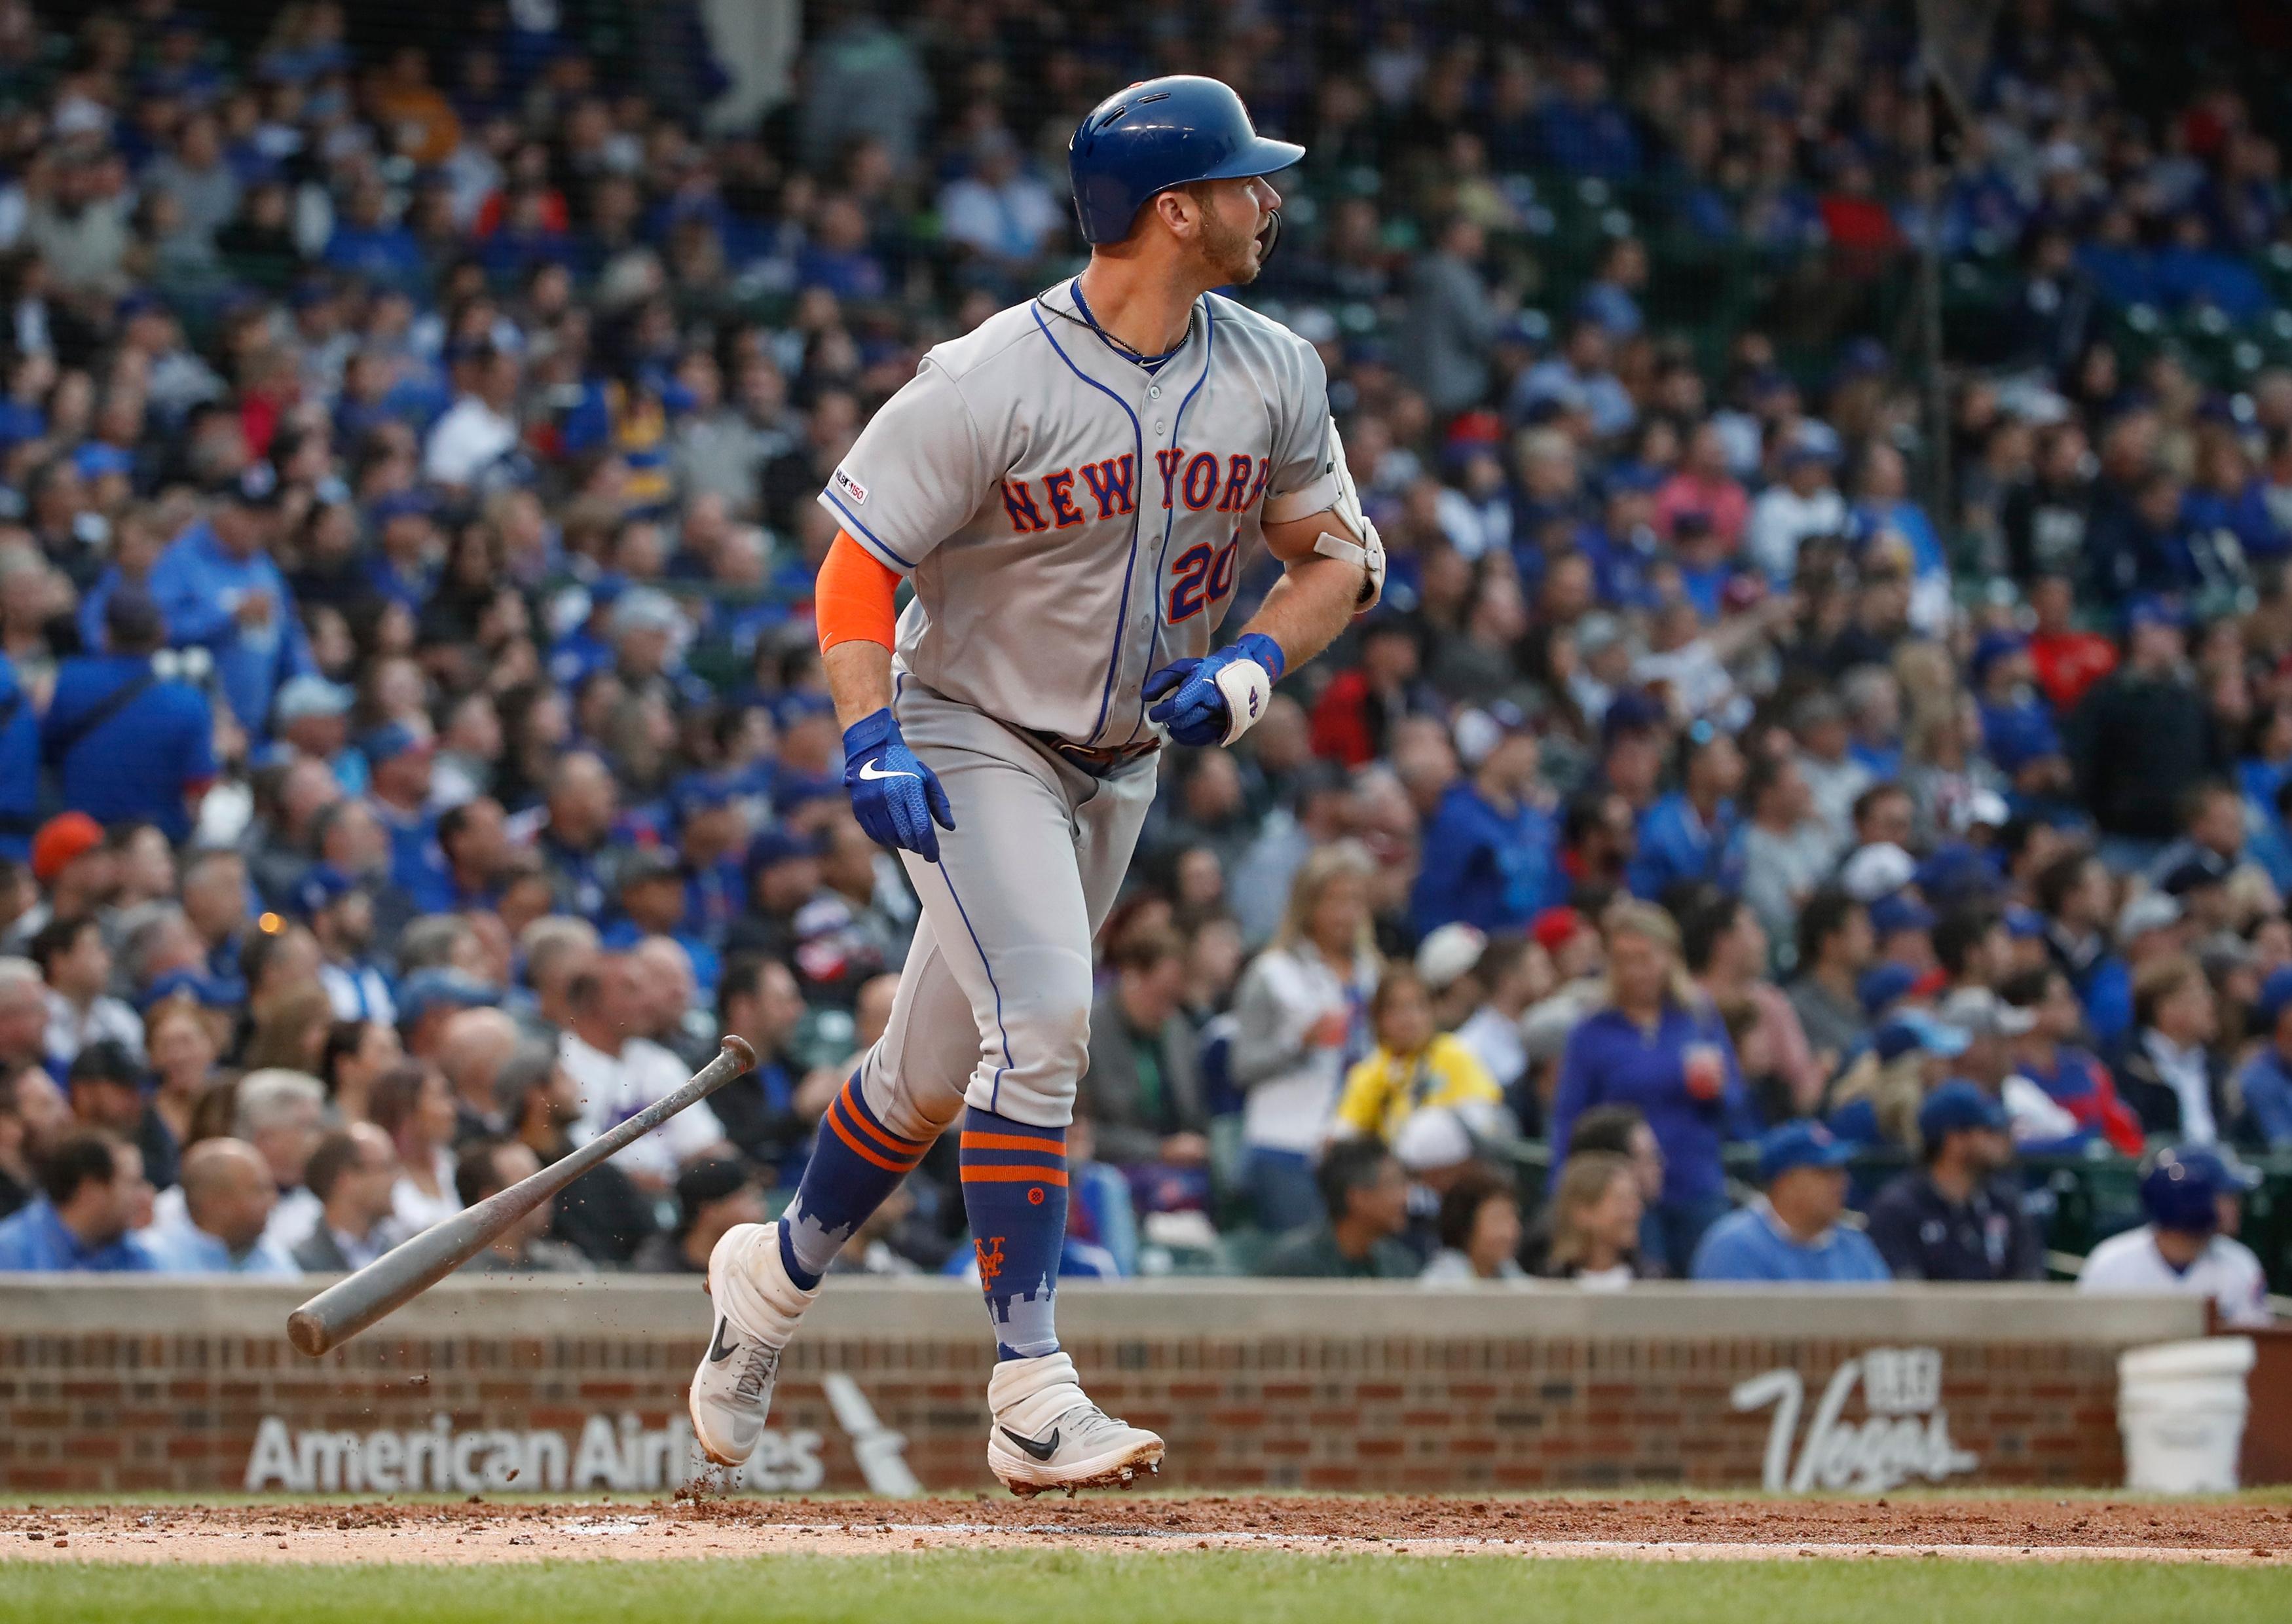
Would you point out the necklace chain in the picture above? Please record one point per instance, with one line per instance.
(1127, 352)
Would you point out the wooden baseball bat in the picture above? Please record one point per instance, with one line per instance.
(411, 1267)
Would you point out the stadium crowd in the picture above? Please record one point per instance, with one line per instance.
(414, 753)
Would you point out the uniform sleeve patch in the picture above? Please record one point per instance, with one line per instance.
(851, 487)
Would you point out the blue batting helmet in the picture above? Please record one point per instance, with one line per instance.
(1160, 133)
(2182, 1186)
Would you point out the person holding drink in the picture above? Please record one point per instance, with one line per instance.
(1656, 1043)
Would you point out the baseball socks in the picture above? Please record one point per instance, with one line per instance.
(763, 1276)
(856, 1164)
(1045, 1432)
(1015, 1191)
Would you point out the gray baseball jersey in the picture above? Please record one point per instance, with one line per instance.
(1072, 521)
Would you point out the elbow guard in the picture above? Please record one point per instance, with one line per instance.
(1364, 546)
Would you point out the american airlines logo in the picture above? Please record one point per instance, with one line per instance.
(610, 1451)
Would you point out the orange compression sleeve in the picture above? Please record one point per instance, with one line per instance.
(852, 599)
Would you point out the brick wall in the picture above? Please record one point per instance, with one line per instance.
(585, 1389)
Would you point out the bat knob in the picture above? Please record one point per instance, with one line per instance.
(739, 1049)
(308, 1333)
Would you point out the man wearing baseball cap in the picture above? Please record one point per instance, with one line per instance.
(1792, 1234)
(339, 913)
(74, 870)
(1957, 1217)
(398, 759)
(2193, 1196)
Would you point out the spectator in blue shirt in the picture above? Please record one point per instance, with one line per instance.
(228, 1197)
(340, 912)
(475, 860)
(92, 1194)
(1884, 517)
(1692, 836)
(1584, 131)
(1791, 1235)
(404, 566)
(838, 257)
(19, 765)
(1625, 549)
(2018, 731)
(219, 590)
(2266, 1080)
(648, 886)
(712, 837)
(368, 244)
(398, 761)
(1579, 378)
(1659, 1046)
(129, 744)
(2192, 271)
(1488, 851)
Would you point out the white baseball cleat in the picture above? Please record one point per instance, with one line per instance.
(757, 1306)
(1047, 1434)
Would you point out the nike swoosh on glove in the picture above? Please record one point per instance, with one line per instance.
(1216, 700)
(895, 797)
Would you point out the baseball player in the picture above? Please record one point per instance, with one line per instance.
(1069, 488)
(2192, 1194)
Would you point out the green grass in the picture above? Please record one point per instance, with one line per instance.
(998, 1587)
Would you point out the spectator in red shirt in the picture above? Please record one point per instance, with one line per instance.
(2067, 659)
(1354, 717)
(1861, 230)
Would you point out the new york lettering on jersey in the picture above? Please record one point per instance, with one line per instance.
(1070, 520)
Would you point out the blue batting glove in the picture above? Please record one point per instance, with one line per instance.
(1196, 707)
(895, 797)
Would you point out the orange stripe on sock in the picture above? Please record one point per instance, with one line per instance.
(1012, 1141)
(883, 1136)
(863, 1153)
(1016, 1175)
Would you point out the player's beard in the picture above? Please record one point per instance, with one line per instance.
(1236, 256)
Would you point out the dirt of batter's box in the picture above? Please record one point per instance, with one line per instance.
(1447, 1517)
(509, 1527)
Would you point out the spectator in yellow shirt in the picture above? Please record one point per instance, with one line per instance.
(1413, 1065)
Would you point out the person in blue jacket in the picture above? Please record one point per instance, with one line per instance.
(1659, 1045)
(1490, 850)
(2266, 1080)
(1791, 1235)
(130, 743)
(19, 765)
(1693, 834)
(220, 591)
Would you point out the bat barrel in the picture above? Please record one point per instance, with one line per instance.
(405, 1272)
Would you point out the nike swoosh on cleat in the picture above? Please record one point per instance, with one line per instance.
(870, 772)
(1042, 1450)
(718, 1353)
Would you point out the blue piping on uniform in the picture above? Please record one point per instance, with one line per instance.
(1130, 568)
(869, 534)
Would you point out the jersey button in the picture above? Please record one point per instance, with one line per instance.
(1158, 428)
(1153, 391)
